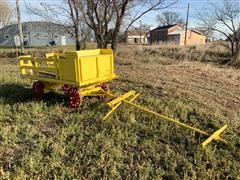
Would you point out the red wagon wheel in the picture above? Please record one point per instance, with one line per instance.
(38, 89)
(74, 98)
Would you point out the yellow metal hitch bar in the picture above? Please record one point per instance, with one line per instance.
(114, 104)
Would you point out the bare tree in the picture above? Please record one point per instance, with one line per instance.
(66, 13)
(6, 13)
(169, 18)
(108, 18)
(224, 18)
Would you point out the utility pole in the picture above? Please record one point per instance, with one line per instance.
(186, 29)
(140, 32)
(20, 26)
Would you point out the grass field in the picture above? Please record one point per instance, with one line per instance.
(45, 139)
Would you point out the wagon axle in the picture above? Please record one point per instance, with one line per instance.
(74, 95)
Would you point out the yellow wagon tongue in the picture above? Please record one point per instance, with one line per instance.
(132, 95)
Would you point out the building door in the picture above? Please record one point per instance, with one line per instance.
(17, 40)
(63, 40)
(135, 40)
(174, 38)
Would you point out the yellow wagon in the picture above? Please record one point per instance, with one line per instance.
(77, 73)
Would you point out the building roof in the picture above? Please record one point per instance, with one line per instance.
(32, 26)
(137, 33)
(163, 27)
(196, 31)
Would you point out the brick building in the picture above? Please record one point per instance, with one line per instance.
(176, 34)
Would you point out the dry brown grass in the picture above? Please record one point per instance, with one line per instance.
(207, 86)
(211, 52)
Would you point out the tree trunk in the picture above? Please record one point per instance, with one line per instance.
(78, 44)
(114, 45)
(101, 43)
(238, 51)
(235, 50)
(77, 39)
(232, 49)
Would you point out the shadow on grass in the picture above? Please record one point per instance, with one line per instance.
(15, 93)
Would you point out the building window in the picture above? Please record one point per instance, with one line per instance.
(56, 36)
(6, 36)
(37, 36)
(24, 36)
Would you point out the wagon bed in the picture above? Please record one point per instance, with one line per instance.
(78, 73)
(78, 68)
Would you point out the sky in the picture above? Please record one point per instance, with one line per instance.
(149, 19)
(181, 8)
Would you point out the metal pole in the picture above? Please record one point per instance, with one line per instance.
(140, 32)
(20, 26)
(173, 120)
(186, 29)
